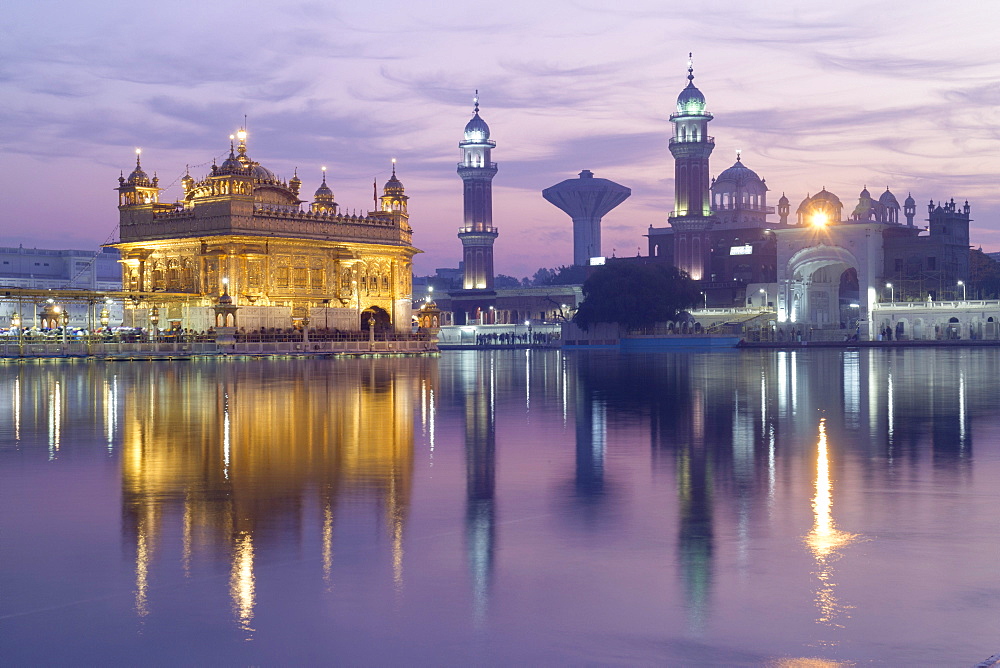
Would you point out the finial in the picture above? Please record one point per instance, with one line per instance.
(690, 67)
(739, 151)
(475, 108)
(324, 174)
(232, 147)
(394, 167)
(138, 152)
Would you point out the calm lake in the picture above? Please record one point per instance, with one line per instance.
(750, 508)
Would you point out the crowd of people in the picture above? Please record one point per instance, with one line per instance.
(513, 339)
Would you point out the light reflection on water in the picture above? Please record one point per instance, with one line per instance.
(504, 507)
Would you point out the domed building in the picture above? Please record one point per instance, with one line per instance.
(241, 231)
(739, 197)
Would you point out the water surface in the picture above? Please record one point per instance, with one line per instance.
(505, 507)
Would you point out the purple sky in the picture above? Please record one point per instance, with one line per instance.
(903, 94)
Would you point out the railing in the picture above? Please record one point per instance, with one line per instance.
(485, 229)
(955, 304)
(689, 140)
(183, 350)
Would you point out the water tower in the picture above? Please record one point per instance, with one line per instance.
(586, 200)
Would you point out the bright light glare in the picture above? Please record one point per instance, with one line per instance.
(820, 219)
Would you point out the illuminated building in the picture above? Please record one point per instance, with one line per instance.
(822, 270)
(241, 231)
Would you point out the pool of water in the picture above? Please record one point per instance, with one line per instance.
(758, 508)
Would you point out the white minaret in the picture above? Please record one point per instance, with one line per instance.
(477, 233)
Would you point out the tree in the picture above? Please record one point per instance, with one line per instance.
(503, 281)
(635, 294)
(984, 275)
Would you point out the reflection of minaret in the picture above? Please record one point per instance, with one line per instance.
(696, 536)
(477, 232)
(591, 444)
(480, 468)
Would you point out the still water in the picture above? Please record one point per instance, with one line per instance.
(504, 508)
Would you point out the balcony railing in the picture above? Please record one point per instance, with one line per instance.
(688, 140)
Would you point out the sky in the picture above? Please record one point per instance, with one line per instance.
(838, 95)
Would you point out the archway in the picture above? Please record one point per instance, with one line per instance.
(382, 320)
(824, 290)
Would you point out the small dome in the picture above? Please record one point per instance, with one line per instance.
(739, 174)
(823, 195)
(476, 130)
(864, 194)
(783, 201)
(909, 201)
(393, 186)
(324, 192)
(888, 199)
(262, 173)
(231, 165)
(138, 177)
(691, 100)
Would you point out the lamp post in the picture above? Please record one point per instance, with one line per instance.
(154, 319)
(64, 319)
(764, 292)
(962, 285)
(892, 293)
(371, 332)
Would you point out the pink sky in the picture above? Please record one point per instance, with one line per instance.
(903, 94)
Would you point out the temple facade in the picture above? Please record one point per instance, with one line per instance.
(241, 236)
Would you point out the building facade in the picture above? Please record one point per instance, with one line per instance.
(241, 232)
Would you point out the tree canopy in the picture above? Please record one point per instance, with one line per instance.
(635, 294)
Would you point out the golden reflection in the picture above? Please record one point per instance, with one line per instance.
(327, 543)
(806, 662)
(826, 540)
(241, 580)
(233, 456)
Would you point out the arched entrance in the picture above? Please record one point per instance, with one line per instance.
(382, 320)
(823, 291)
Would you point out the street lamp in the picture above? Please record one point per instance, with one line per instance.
(962, 284)
(764, 292)
(105, 317)
(64, 319)
(892, 293)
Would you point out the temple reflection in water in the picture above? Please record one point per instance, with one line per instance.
(376, 472)
(235, 464)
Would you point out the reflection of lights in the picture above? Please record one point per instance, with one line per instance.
(141, 573)
(327, 542)
(225, 435)
(17, 409)
(241, 580)
(55, 419)
(826, 540)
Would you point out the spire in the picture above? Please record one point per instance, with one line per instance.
(738, 154)
(475, 108)
(690, 68)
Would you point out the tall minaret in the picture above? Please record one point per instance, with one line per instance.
(478, 233)
(691, 146)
